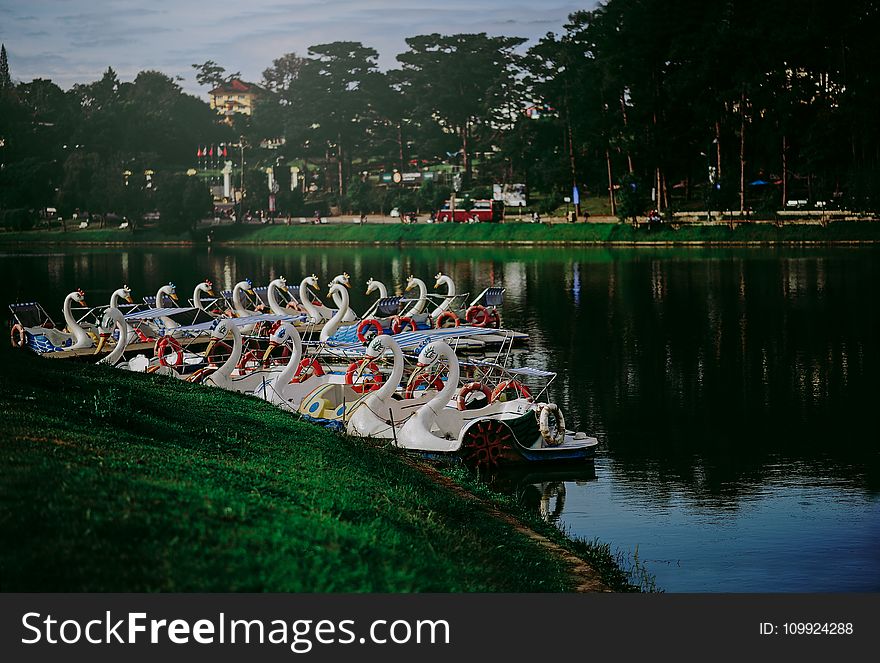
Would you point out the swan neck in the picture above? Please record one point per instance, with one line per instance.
(307, 304)
(227, 367)
(274, 304)
(333, 324)
(285, 376)
(122, 326)
(387, 390)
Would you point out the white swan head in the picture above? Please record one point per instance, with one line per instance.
(431, 354)
(343, 279)
(247, 285)
(169, 290)
(280, 283)
(207, 287)
(219, 331)
(312, 282)
(105, 329)
(437, 279)
(377, 347)
(278, 337)
(336, 287)
(124, 293)
(371, 285)
(410, 282)
(79, 296)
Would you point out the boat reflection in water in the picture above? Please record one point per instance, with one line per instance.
(541, 490)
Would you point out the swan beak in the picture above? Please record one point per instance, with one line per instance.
(211, 293)
(129, 299)
(83, 302)
(272, 346)
(173, 297)
(437, 284)
(102, 340)
(347, 284)
(250, 291)
(367, 292)
(285, 289)
(210, 346)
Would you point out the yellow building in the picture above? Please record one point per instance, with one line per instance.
(236, 96)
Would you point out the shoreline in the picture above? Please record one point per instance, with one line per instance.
(524, 235)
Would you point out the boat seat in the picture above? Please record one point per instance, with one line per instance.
(388, 306)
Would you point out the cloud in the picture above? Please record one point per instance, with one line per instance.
(74, 41)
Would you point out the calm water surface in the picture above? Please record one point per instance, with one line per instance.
(734, 391)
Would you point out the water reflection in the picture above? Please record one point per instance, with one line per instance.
(721, 383)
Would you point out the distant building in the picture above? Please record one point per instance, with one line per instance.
(236, 96)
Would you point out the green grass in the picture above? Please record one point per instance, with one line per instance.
(114, 481)
(511, 232)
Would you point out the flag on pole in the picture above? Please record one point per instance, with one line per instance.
(575, 196)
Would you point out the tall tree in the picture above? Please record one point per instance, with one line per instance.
(5, 78)
(459, 81)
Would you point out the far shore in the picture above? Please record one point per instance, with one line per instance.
(345, 231)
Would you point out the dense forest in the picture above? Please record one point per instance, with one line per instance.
(722, 105)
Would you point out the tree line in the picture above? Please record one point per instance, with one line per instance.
(646, 103)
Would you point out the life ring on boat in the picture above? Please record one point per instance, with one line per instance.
(461, 401)
(306, 369)
(410, 390)
(211, 359)
(446, 316)
(398, 322)
(199, 376)
(250, 355)
(516, 385)
(18, 336)
(550, 439)
(162, 346)
(494, 320)
(362, 327)
(477, 316)
(366, 385)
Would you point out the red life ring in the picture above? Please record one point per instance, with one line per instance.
(443, 317)
(494, 320)
(398, 322)
(162, 346)
(516, 385)
(436, 383)
(250, 355)
(477, 315)
(307, 367)
(142, 337)
(367, 385)
(368, 322)
(471, 387)
(18, 336)
(210, 356)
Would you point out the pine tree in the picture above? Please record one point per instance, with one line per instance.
(5, 79)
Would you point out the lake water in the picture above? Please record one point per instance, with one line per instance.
(733, 391)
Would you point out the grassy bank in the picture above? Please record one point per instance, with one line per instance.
(121, 482)
(507, 233)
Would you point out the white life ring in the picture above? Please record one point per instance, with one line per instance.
(544, 424)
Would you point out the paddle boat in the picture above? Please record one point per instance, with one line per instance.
(33, 329)
(515, 431)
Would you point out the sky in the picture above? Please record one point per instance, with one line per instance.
(74, 41)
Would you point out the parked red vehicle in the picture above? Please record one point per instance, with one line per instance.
(481, 210)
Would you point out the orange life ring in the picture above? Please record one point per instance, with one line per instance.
(162, 346)
(398, 322)
(443, 317)
(308, 367)
(367, 385)
(471, 387)
(368, 322)
(436, 383)
(18, 336)
(477, 316)
(516, 385)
